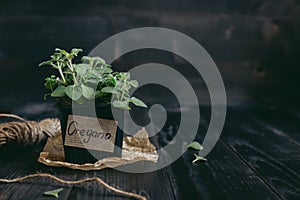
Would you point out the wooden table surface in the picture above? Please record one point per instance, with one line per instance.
(257, 157)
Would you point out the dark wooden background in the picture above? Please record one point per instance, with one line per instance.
(254, 43)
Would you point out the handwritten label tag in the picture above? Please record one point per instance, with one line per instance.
(91, 133)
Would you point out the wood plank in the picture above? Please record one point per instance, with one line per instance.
(55, 26)
(247, 8)
(277, 120)
(42, 34)
(28, 191)
(274, 157)
(24, 162)
(153, 185)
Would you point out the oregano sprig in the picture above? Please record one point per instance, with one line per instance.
(197, 146)
(53, 193)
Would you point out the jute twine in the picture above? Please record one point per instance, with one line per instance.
(96, 179)
(27, 133)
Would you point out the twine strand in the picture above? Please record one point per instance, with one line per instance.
(12, 116)
(96, 179)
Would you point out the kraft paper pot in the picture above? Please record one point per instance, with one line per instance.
(90, 133)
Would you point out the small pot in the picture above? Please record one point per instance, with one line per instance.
(79, 152)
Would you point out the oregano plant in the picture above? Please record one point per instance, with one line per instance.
(92, 78)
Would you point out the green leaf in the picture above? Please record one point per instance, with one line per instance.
(93, 60)
(195, 145)
(91, 74)
(119, 84)
(81, 100)
(87, 92)
(110, 90)
(56, 56)
(63, 62)
(46, 63)
(121, 104)
(53, 193)
(98, 61)
(50, 83)
(138, 102)
(74, 92)
(59, 91)
(92, 81)
(112, 79)
(198, 158)
(107, 71)
(96, 72)
(127, 87)
(63, 52)
(81, 68)
(87, 58)
(76, 51)
(101, 60)
(134, 83)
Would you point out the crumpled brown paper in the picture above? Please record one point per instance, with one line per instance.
(135, 148)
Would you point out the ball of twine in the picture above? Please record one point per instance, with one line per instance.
(27, 133)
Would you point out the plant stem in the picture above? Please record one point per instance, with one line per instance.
(123, 87)
(73, 72)
(74, 77)
(62, 75)
(59, 67)
(60, 72)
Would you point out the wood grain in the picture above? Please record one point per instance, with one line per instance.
(31, 189)
(223, 176)
(152, 185)
(274, 157)
(251, 161)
